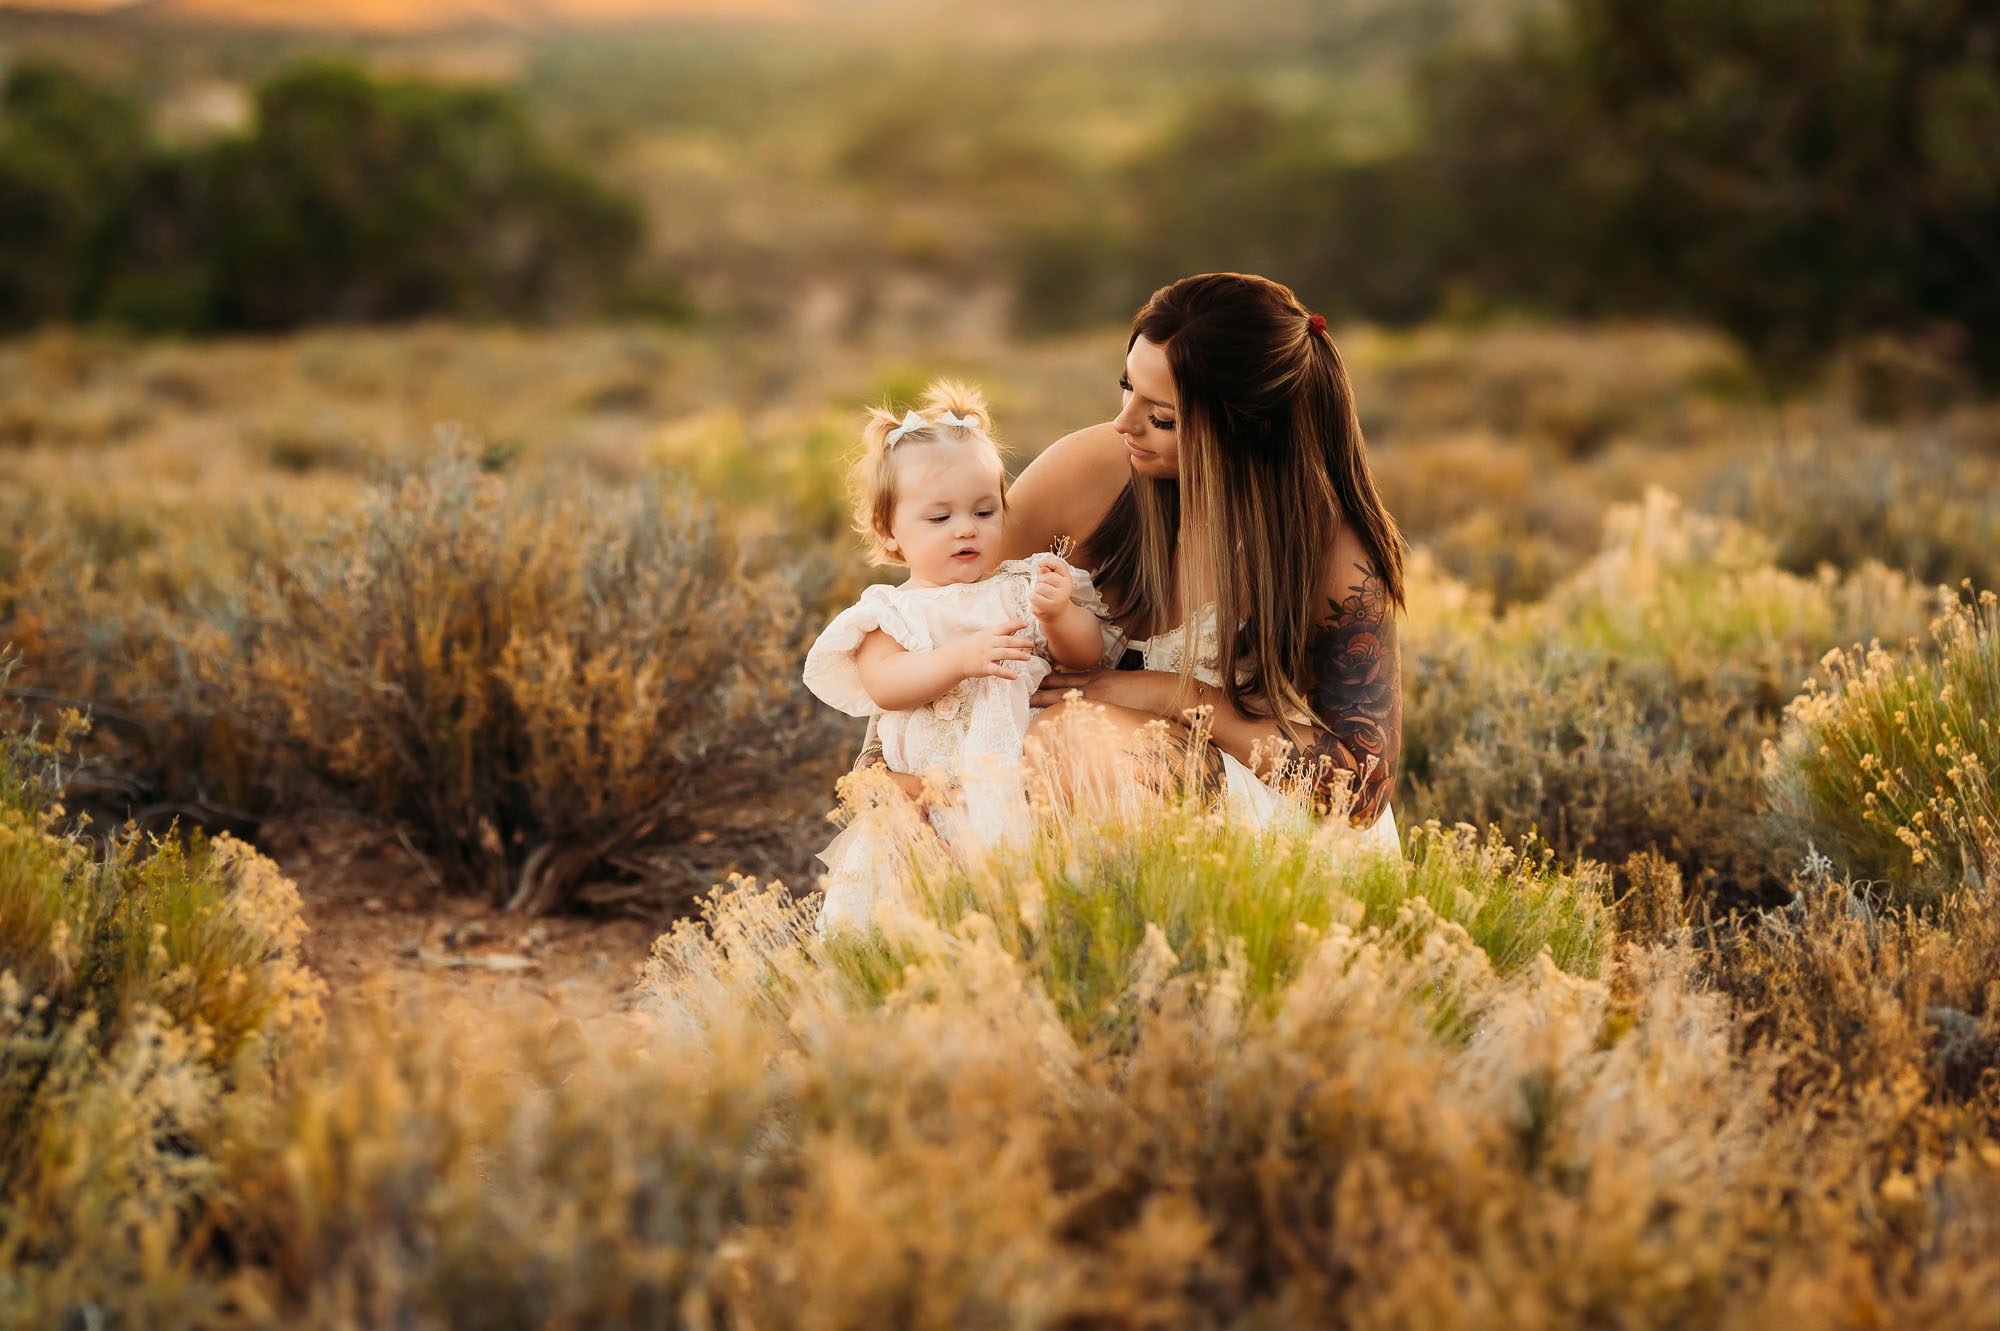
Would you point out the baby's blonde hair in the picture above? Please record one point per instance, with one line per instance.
(872, 479)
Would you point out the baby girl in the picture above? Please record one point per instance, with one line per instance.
(945, 662)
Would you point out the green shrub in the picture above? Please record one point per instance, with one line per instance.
(1925, 507)
(206, 930)
(541, 682)
(69, 158)
(353, 198)
(1573, 745)
(1626, 712)
(363, 198)
(1100, 910)
(1887, 763)
(140, 989)
(1699, 158)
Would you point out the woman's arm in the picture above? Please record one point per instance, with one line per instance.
(1066, 491)
(1357, 691)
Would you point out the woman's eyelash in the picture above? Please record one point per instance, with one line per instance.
(1125, 382)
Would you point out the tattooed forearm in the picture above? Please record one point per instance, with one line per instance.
(1180, 759)
(1358, 695)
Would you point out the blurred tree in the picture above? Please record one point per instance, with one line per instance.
(352, 199)
(359, 200)
(1799, 172)
(70, 155)
(1239, 184)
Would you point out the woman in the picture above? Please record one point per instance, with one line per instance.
(1233, 481)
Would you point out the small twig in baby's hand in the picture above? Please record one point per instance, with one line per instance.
(1060, 547)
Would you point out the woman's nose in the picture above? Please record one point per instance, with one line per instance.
(1127, 419)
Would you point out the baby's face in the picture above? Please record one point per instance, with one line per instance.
(947, 524)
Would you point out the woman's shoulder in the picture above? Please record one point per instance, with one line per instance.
(1351, 585)
(1067, 489)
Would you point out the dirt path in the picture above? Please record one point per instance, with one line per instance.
(373, 915)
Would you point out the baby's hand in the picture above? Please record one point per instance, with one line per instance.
(1052, 590)
(988, 651)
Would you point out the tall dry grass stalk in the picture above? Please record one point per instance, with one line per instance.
(1888, 759)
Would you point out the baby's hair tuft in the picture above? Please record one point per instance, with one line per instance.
(887, 432)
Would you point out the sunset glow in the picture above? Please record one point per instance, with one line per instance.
(414, 15)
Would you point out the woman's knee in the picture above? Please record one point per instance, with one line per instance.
(1049, 719)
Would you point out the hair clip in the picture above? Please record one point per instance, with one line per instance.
(962, 422)
(911, 421)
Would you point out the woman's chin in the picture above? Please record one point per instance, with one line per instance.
(1153, 466)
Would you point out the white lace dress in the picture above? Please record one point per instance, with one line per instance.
(973, 732)
(1249, 797)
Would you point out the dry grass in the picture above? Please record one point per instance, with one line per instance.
(538, 682)
(1149, 1073)
(1887, 763)
(1101, 907)
(1395, 1131)
(1626, 711)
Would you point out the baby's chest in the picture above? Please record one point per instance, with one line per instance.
(984, 607)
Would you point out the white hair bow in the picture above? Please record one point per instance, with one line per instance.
(912, 421)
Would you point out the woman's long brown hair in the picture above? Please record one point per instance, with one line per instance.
(1272, 465)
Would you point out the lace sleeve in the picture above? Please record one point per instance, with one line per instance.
(830, 670)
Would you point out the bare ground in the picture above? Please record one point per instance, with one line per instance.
(373, 917)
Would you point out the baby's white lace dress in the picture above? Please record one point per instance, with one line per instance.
(973, 732)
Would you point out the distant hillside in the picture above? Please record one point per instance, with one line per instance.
(390, 16)
(1255, 20)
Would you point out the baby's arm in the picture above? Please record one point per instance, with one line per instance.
(899, 679)
(1076, 638)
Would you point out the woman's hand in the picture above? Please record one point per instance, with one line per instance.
(1148, 691)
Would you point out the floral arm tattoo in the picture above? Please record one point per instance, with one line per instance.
(1358, 694)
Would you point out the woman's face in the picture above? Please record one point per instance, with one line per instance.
(1148, 421)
